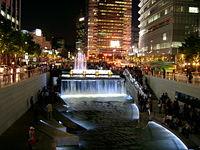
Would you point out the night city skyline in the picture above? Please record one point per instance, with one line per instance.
(58, 19)
(54, 18)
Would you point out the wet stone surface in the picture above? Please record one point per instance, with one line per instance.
(108, 122)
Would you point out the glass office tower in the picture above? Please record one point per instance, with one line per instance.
(164, 24)
(11, 10)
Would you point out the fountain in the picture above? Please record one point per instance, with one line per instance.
(101, 106)
(80, 69)
(83, 81)
(80, 62)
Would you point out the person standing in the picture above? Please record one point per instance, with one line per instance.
(31, 137)
(49, 110)
(190, 77)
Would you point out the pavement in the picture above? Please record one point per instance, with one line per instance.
(16, 137)
(50, 134)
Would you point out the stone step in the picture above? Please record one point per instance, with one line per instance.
(61, 138)
(67, 148)
(71, 126)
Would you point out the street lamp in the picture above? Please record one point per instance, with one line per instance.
(114, 50)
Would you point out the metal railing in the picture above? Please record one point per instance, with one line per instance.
(11, 78)
(179, 77)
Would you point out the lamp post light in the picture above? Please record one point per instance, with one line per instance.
(114, 50)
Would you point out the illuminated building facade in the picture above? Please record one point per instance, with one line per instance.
(109, 27)
(40, 39)
(81, 33)
(11, 10)
(164, 24)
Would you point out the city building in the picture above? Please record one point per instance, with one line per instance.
(135, 39)
(41, 40)
(135, 29)
(81, 32)
(109, 28)
(58, 43)
(164, 24)
(11, 10)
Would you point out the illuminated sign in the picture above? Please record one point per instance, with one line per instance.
(114, 44)
(38, 32)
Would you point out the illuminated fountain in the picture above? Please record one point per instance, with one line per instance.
(83, 82)
(80, 70)
(80, 62)
(101, 105)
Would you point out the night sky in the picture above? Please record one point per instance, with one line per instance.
(56, 18)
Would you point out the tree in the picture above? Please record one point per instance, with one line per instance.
(64, 53)
(30, 46)
(5, 31)
(191, 48)
(15, 43)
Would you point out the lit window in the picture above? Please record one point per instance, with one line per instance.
(193, 10)
(157, 46)
(176, 44)
(3, 13)
(164, 36)
(13, 19)
(166, 11)
(8, 16)
(153, 1)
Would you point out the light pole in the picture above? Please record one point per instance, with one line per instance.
(114, 50)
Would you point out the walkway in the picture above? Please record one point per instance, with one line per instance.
(179, 77)
(49, 133)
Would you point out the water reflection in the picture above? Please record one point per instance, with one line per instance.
(109, 123)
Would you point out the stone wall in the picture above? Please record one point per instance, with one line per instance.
(131, 89)
(15, 99)
(159, 86)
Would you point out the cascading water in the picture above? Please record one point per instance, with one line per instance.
(99, 105)
(92, 86)
(80, 62)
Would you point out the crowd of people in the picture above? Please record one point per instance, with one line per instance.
(184, 119)
(178, 116)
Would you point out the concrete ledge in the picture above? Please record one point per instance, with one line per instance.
(61, 138)
(71, 126)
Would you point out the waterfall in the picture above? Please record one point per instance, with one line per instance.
(92, 86)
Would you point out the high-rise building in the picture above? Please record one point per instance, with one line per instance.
(11, 10)
(135, 23)
(164, 24)
(58, 43)
(81, 32)
(109, 27)
(135, 36)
